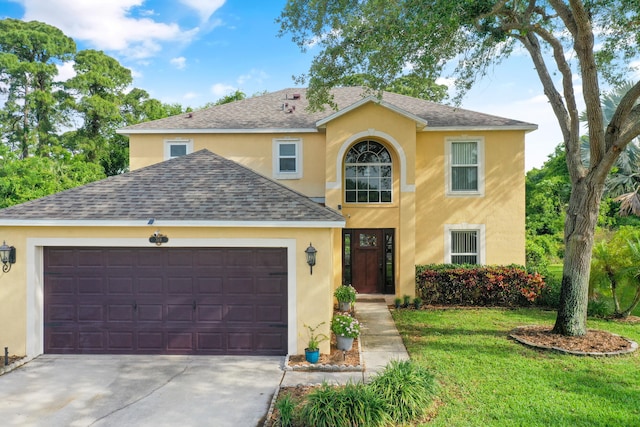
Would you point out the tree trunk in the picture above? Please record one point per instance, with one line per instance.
(582, 216)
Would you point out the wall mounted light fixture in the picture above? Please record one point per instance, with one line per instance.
(158, 238)
(311, 256)
(7, 256)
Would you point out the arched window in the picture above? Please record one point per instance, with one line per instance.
(367, 174)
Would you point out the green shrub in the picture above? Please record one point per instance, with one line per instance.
(353, 405)
(407, 388)
(505, 286)
(550, 294)
(285, 406)
(598, 308)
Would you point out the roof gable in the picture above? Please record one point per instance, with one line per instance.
(201, 186)
(287, 111)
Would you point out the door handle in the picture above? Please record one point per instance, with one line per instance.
(135, 306)
(194, 305)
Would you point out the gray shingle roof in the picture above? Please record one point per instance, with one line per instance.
(201, 186)
(275, 111)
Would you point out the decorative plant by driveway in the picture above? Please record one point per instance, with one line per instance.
(345, 326)
(312, 352)
(346, 329)
(345, 293)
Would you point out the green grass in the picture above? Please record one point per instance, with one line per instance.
(555, 270)
(487, 379)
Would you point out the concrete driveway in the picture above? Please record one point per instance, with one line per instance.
(139, 391)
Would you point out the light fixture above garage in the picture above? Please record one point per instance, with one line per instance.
(7, 256)
(311, 256)
(158, 238)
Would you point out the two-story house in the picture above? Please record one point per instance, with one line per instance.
(203, 247)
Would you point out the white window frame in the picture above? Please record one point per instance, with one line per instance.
(168, 143)
(480, 228)
(448, 159)
(277, 173)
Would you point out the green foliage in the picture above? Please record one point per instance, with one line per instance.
(345, 293)
(350, 406)
(285, 406)
(26, 179)
(345, 325)
(505, 286)
(598, 308)
(408, 389)
(614, 269)
(486, 379)
(315, 338)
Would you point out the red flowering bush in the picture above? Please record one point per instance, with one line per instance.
(505, 286)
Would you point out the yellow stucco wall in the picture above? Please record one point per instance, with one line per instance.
(251, 150)
(313, 293)
(501, 209)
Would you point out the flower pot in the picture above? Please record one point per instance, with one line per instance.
(311, 356)
(344, 306)
(344, 343)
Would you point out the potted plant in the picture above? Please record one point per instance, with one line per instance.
(417, 302)
(312, 352)
(346, 295)
(346, 329)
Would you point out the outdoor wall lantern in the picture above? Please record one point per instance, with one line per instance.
(7, 256)
(311, 256)
(158, 238)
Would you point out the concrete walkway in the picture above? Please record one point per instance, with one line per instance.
(380, 343)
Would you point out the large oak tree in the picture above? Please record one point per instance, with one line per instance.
(593, 39)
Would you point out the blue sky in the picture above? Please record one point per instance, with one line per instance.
(195, 51)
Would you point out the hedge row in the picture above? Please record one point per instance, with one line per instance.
(504, 286)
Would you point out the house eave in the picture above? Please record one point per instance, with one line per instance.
(213, 130)
(526, 128)
(170, 223)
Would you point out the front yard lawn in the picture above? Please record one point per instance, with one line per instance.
(487, 379)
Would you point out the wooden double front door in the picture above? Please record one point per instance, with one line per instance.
(368, 259)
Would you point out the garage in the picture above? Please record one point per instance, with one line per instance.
(152, 300)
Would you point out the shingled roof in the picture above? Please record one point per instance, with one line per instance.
(201, 186)
(287, 110)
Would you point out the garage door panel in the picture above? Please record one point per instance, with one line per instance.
(150, 285)
(90, 285)
(210, 342)
(150, 312)
(134, 300)
(90, 313)
(120, 340)
(209, 313)
(180, 285)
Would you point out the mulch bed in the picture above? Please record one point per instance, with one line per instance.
(592, 343)
(336, 357)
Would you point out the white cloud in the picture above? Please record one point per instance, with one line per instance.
(180, 62)
(107, 25)
(205, 8)
(65, 71)
(221, 89)
(447, 81)
(255, 75)
(190, 95)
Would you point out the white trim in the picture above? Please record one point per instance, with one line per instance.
(447, 166)
(168, 142)
(480, 228)
(372, 133)
(527, 128)
(276, 143)
(213, 130)
(420, 122)
(35, 279)
(169, 223)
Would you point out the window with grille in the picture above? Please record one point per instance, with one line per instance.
(368, 174)
(464, 169)
(464, 247)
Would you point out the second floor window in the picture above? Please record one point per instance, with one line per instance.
(464, 167)
(368, 174)
(287, 158)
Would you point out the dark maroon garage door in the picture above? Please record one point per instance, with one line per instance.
(165, 300)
